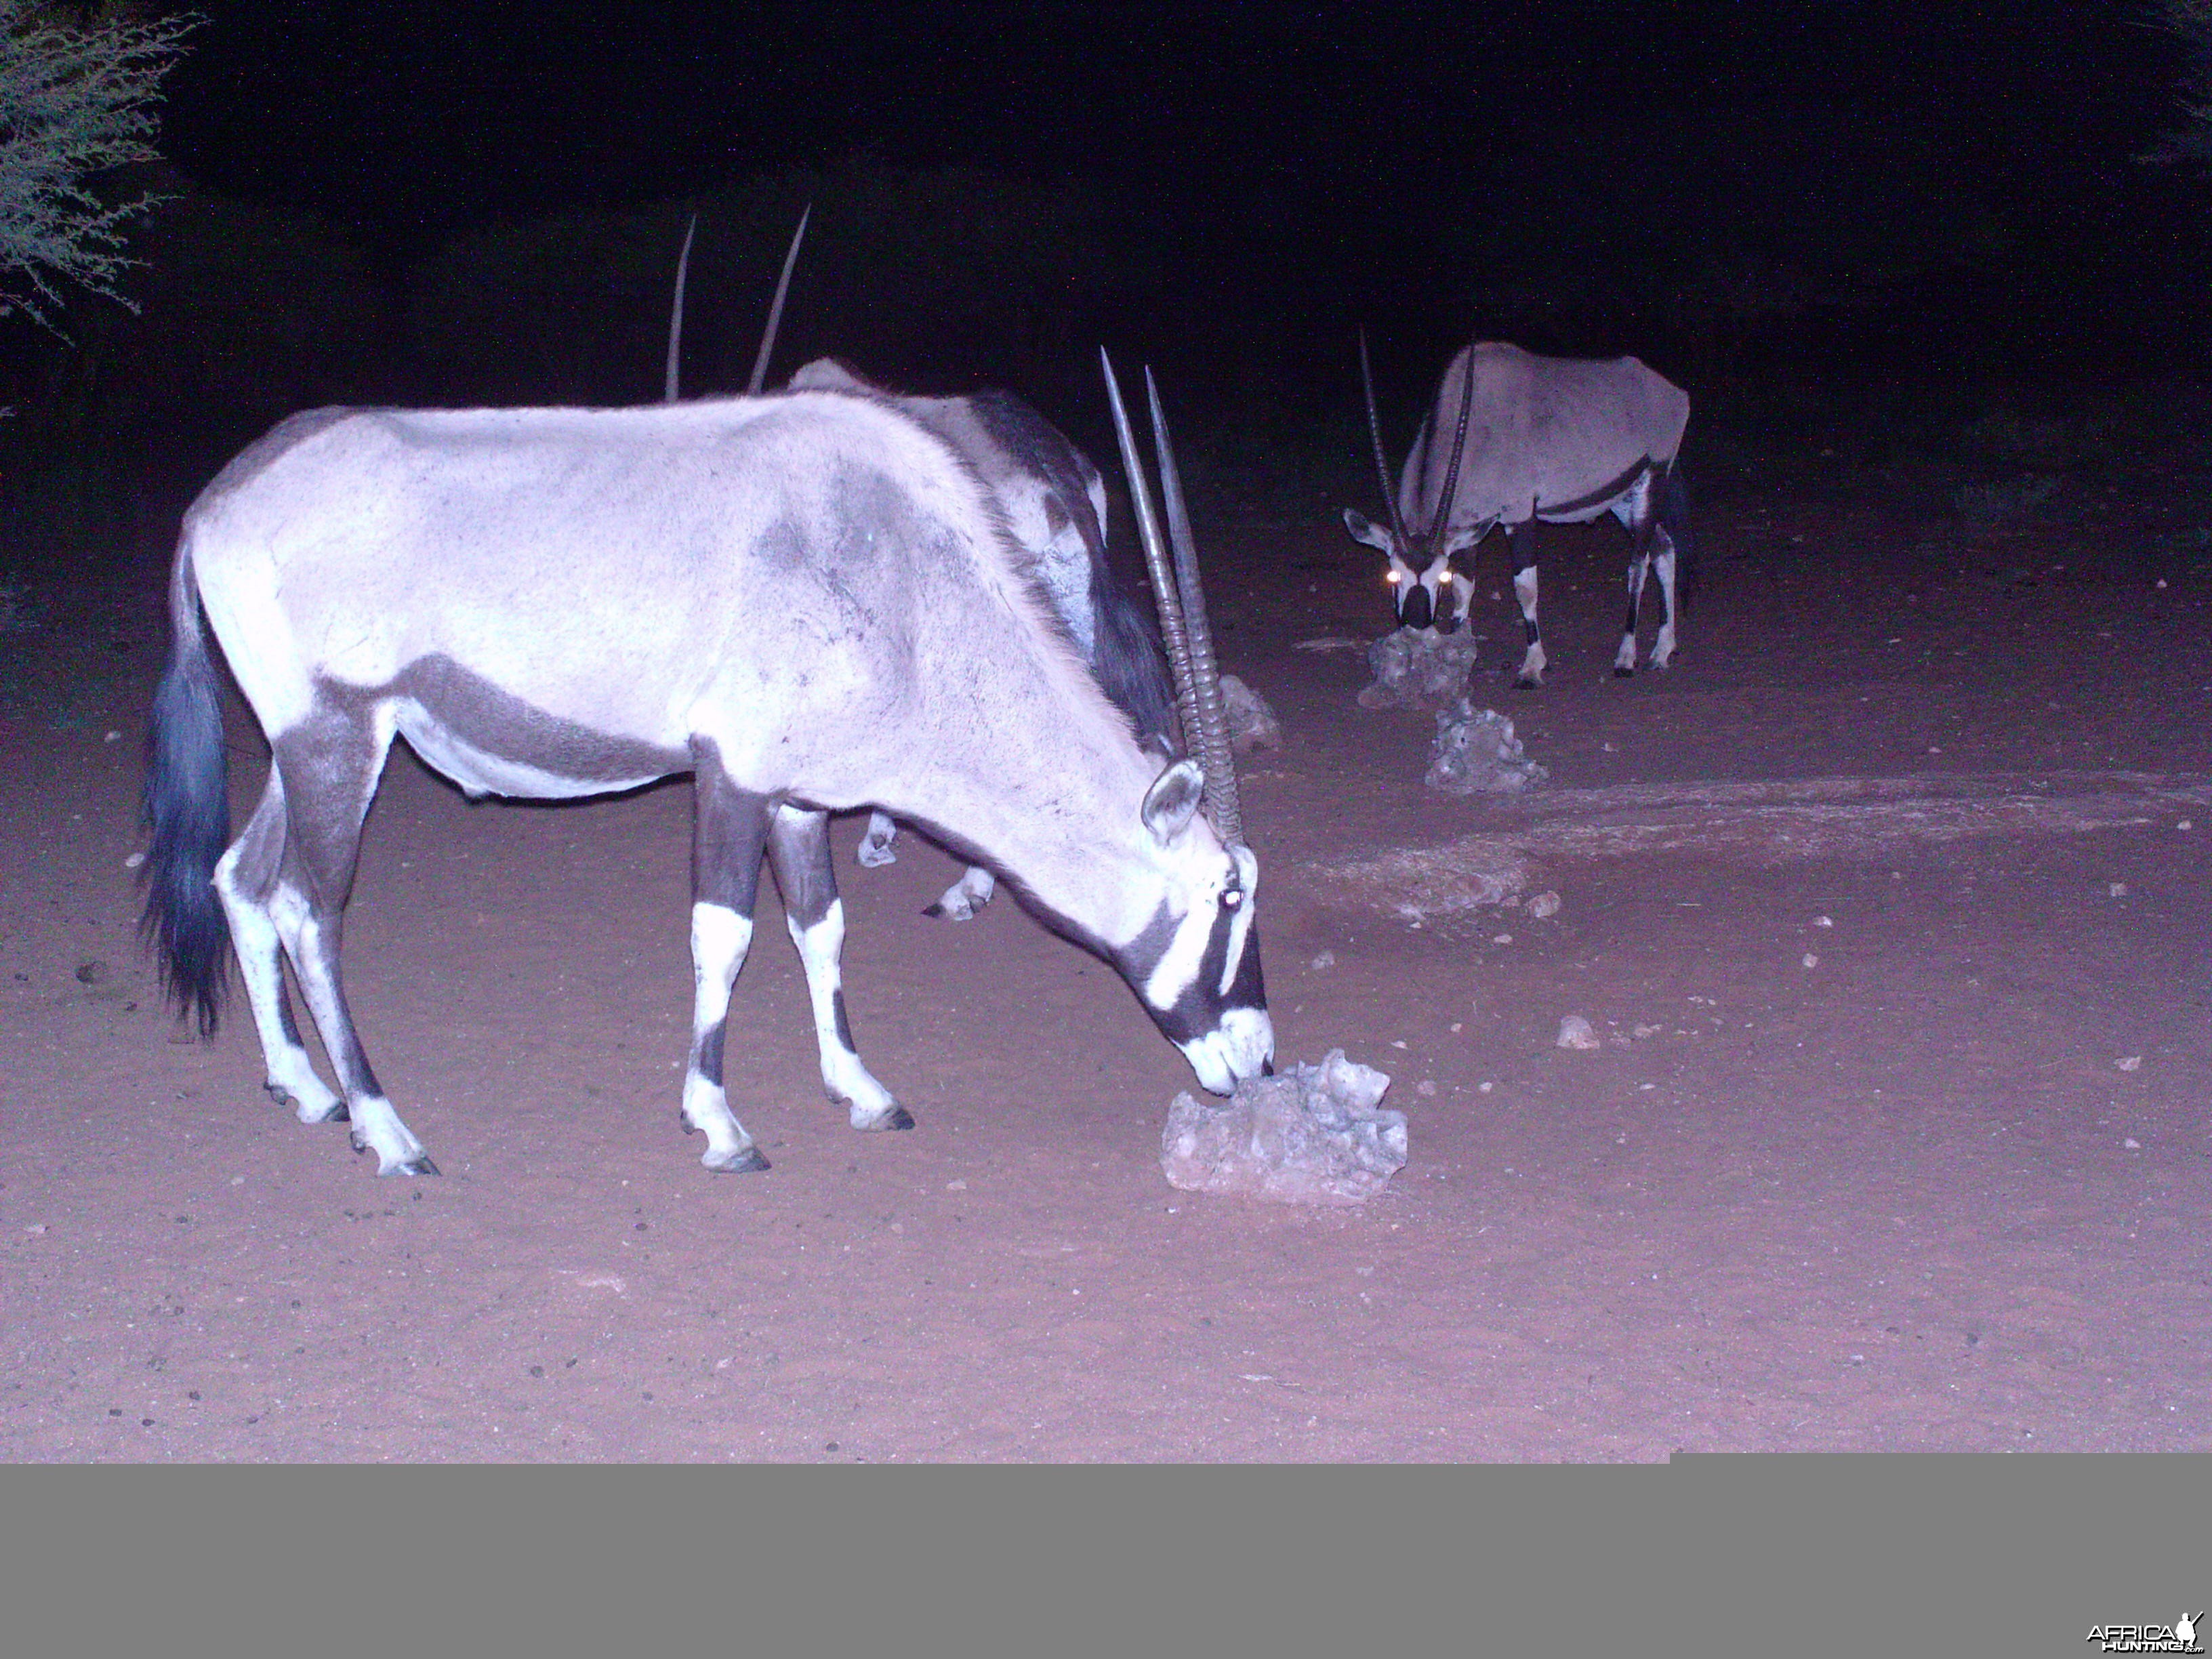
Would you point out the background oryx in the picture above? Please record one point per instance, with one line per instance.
(1054, 502)
(1561, 439)
(808, 602)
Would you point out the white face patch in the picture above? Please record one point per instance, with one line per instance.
(1242, 1043)
(1240, 916)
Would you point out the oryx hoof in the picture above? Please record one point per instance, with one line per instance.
(959, 909)
(1524, 684)
(738, 1160)
(419, 1165)
(874, 854)
(306, 1111)
(1620, 673)
(896, 1118)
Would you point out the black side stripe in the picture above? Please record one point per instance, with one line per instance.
(1603, 493)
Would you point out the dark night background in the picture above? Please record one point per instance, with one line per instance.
(1841, 225)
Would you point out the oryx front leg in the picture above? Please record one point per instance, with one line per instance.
(729, 832)
(1524, 589)
(798, 848)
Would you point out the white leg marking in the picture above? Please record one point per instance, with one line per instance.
(289, 1072)
(1663, 648)
(377, 1126)
(870, 1105)
(876, 845)
(966, 896)
(1532, 665)
(1624, 660)
(720, 939)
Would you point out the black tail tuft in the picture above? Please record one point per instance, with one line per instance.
(1674, 516)
(187, 813)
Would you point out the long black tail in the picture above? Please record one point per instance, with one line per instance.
(187, 812)
(1674, 518)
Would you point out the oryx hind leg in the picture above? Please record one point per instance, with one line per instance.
(965, 896)
(329, 766)
(876, 845)
(1639, 560)
(798, 849)
(1520, 542)
(1663, 561)
(246, 881)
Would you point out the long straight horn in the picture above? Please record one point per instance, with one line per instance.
(1440, 522)
(1212, 737)
(1375, 431)
(676, 313)
(775, 311)
(1165, 595)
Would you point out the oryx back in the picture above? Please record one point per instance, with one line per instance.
(1565, 437)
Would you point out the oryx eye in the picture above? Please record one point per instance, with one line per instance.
(1394, 577)
(1233, 899)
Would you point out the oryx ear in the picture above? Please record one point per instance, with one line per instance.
(1460, 538)
(1373, 535)
(1173, 799)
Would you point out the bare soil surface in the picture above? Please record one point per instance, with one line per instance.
(1887, 904)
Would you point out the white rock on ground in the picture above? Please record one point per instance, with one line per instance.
(1475, 749)
(1312, 1134)
(1575, 1033)
(1252, 724)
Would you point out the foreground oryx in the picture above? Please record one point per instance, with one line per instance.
(1558, 439)
(1054, 502)
(807, 601)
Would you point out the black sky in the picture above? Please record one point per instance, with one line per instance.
(405, 119)
(1298, 168)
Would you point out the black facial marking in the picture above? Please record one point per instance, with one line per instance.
(1197, 1010)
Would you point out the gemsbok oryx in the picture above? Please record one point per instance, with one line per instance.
(1054, 502)
(810, 602)
(1561, 439)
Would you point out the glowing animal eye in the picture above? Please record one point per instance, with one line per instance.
(1394, 577)
(1231, 899)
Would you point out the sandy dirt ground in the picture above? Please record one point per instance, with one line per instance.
(1887, 904)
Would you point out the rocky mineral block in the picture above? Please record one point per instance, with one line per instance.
(1476, 749)
(1418, 668)
(1312, 1134)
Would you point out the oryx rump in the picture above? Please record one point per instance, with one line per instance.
(1562, 440)
(808, 602)
(1054, 500)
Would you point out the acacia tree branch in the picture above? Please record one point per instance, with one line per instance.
(75, 103)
